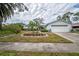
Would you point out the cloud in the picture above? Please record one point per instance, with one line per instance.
(48, 11)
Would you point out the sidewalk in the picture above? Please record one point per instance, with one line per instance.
(40, 47)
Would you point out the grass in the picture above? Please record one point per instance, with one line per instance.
(29, 53)
(5, 33)
(52, 38)
(76, 32)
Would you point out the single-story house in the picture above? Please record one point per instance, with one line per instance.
(59, 26)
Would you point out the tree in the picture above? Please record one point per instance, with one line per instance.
(76, 14)
(7, 10)
(66, 17)
(76, 18)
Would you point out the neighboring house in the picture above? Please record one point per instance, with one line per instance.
(75, 26)
(59, 26)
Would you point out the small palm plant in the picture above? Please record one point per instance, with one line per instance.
(39, 22)
(34, 26)
(31, 25)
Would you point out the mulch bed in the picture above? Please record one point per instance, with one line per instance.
(34, 34)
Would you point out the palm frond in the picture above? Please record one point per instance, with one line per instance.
(7, 9)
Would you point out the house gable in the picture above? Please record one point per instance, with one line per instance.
(57, 23)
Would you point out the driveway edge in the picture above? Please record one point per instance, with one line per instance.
(63, 36)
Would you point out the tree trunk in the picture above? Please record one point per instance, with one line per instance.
(0, 25)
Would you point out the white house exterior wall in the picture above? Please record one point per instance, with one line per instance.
(59, 27)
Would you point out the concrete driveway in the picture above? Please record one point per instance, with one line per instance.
(71, 36)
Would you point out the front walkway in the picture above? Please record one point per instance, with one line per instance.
(45, 47)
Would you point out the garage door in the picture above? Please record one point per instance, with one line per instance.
(59, 28)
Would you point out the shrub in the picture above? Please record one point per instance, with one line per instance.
(72, 30)
(75, 30)
(20, 25)
(10, 29)
(44, 30)
(13, 27)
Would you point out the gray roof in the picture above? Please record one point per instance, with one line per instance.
(57, 21)
(52, 22)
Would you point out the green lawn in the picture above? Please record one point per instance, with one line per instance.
(6, 32)
(77, 32)
(29, 53)
(52, 38)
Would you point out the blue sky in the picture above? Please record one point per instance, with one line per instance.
(48, 11)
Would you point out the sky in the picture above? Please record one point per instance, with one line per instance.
(47, 11)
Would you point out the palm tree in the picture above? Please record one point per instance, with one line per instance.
(7, 10)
